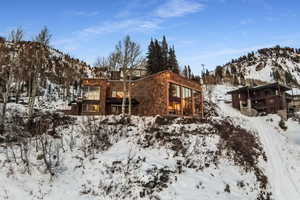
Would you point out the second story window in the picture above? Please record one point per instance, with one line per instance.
(91, 93)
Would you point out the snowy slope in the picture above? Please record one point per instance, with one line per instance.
(139, 164)
(147, 159)
(282, 148)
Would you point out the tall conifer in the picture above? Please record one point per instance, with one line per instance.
(172, 61)
(160, 57)
(164, 51)
(150, 58)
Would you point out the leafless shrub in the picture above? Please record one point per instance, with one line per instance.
(37, 136)
(227, 188)
(235, 143)
(5, 196)
(50, 153)
(24, 153)
(101, 135)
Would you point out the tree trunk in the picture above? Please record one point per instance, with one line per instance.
(125, 92)
(129, 95)
(33, 96)
(3, 114)
(18, 91)
(5, 99)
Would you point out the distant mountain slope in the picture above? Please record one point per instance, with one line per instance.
(58, 63)
(266, 65)
(28, 62)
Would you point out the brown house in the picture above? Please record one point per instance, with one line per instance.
(163, 93)
(270, 98)
(294, 105)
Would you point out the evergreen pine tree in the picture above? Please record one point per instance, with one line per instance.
(158, 60)
(184, 72)
(160, 57)
(172, 61)
(189, 72)
(150, 58)
(164, 52)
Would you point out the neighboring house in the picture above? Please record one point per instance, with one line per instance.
(164, 93)
(269, 98)
(136, 73)
(294, 105)
(105, 73)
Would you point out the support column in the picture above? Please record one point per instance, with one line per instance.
(181, 100)
(193, 102)
(249, 106)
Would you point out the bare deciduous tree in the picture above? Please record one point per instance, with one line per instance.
(7, 64)
(44, 37)
(16, 35)
(102, 62)
(128, 57)
(38, 63)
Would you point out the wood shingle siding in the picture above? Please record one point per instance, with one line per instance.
(150, 94)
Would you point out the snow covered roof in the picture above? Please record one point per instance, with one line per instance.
(294, 91)
(272, 85)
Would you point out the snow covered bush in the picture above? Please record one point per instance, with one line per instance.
(115, 157)
(282, 125)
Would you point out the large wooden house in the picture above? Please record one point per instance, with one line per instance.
(164, 93)
(270, 98)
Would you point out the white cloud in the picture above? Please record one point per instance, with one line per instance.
(84, 13)
(246, 21)
(75, 41)
(130, 25)
(177, 8)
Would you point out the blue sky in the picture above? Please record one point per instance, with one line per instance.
(209, 32)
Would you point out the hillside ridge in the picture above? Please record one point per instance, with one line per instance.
(267, 65)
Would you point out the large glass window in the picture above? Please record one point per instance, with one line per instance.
(174, 90)
(197, 101)
(174, 99)
(187, 102)
(181, 100)
(91, 108)
(91, 93)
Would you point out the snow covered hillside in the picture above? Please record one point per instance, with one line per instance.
(266, 65)
(225, 156)
(30, 68)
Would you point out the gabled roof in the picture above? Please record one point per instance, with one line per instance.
(294, 92)
(273, 86)
(239, 90)
(261, 87)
